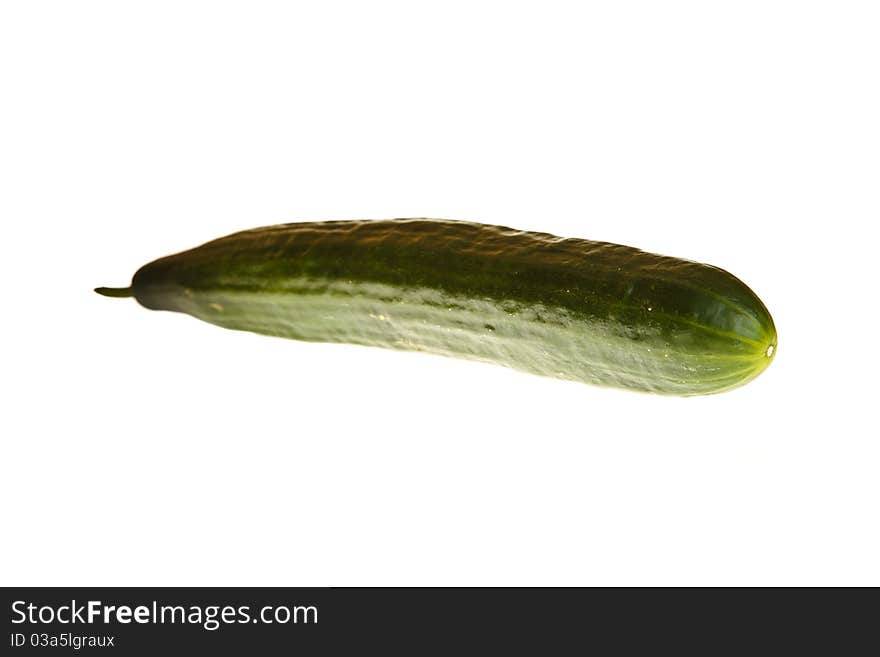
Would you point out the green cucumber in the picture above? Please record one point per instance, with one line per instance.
(573, 309)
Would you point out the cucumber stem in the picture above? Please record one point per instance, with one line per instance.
(118, 292)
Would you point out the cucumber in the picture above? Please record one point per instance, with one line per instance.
(574, 309)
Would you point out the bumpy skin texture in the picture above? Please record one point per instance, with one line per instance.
(574, 309)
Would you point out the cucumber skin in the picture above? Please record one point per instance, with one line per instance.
(593, 312)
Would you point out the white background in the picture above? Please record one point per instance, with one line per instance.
(149, 448)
